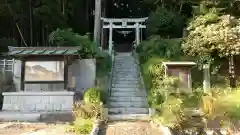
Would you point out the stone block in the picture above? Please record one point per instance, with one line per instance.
(67, 107)
(45, 99)
(56, 99)
(34, 99)
(29, 107)
(16, 107)
(7, 107)
(6, 100)
(57, 107)
(41, 107)
(13, 99)
(49, 107)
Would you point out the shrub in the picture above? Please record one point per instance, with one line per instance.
(160, 47)
(93, 95)
(65, 37)
(103, 64)
(230, 101)
(87, 111)
(165, 22)
(81, 126)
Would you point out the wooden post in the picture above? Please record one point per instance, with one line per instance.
(110, 42)
(206, 76)
(97, 21)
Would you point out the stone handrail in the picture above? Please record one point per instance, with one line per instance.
(135, 55)
(110, 74)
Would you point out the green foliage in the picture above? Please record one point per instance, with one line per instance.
(87, 111)
(212, 37)
(87, 48)
(230, 101)
(157, 46)
(50, 9)
(165, 22)
(103, 64)
(5, 42)
(170, 112)
(81, 126)
(93, 95)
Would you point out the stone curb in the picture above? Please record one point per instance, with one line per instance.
(165, 130)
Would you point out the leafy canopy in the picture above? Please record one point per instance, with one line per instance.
(165, 22)
(212, 36)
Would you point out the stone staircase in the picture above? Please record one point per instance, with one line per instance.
(127, 100)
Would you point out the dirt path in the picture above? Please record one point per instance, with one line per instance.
(129, 128)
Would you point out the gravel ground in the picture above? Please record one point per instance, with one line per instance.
(129, 128)
(20, 128)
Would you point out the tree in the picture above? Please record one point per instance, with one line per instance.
(211, 37)
(165, 22)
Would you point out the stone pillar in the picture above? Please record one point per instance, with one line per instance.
(206, 77)
(110, 42)
(137, 34)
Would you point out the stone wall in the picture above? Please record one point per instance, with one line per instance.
(38, 101)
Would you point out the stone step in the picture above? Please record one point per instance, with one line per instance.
(126, 76)
(125, 71)
(119, 117)
(128, 104)
(117, 89)
(128, 99)
(126, 82)
(125, 79)
(125, 85)
(128, 111)
(126, 94)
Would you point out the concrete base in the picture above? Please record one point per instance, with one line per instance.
(18, 116)
(37, 116)
(37, 101)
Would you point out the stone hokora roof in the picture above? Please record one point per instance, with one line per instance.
(20, 51)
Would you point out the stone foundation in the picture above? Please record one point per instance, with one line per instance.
(38, 101)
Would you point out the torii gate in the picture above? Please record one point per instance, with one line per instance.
(117, 23)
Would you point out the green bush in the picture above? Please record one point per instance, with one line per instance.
(103, 64)
(165, 22)
(93, 95)
(65, 37)
(81, 126)
(230, 101)
(156, 46)
(87, 111)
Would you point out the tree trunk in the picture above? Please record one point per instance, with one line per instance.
(31, 22)
(97, 21)
(232, 74)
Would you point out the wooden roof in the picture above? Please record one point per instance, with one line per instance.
(21, 51)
